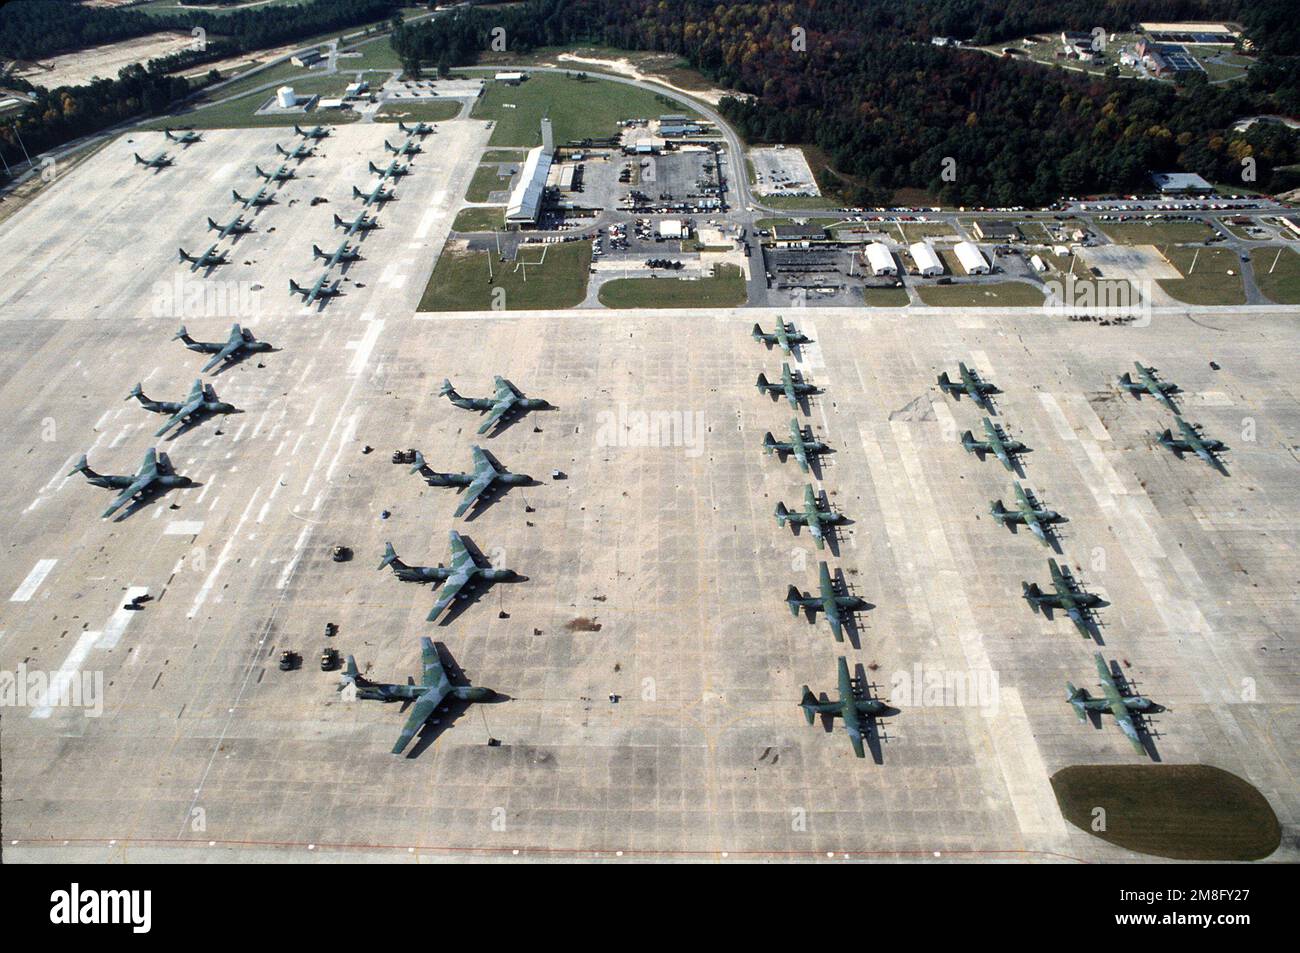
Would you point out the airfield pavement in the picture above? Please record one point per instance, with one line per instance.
(666, 539)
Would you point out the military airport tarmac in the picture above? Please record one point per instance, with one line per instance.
(651, 670)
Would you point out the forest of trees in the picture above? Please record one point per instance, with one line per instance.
(888, 108)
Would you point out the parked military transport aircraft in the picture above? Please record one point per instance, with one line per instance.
(391, 171)
(201, 402)
(160, 161)
(486, 474)
(815, 514)
(362, 223)
(434, 688)
(155, 476)
(1118, 702)
(236, 226)
(801, 444)
(1148, 383)
(996, 442)
(281, 173)
(209, 259)
(792, 385)
(300, 151)
(321, 289)
(344, 253)
(1027, 513)
(838, 608)
(240, 344)
(786, 335)
(256, 200)
(420, 129)
(407, 148)
(858, 711)
(1068, 596)
(464, 572)
(970, 384)
(185, 138)
(1193, 441)
(315, 132)
(377, 194)
(507, 402)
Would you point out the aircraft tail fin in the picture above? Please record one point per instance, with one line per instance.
(350, 669)
(446, 390)
(998, 510)
(808, 699)
(356, 193)
(792, 599)
(390, 558)
(238, 197)
(968, 441)
(762, 383)
(375, 169)
(1126, 380)
(338, 222)
(213, 226)
(137, 392)
(138, 159)
(419, 463)
(1031, 594)
(1076, 699)
(769, 442)
(782, 514)
(185, 256)
(182, 335)
(82, 466)
(317, 253)
(945, 382)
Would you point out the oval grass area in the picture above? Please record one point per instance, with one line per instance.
(1183, 812)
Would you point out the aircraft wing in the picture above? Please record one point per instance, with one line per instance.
(125, 495)
(181, 414)
(450, 589)
(434, 673)
(855, 736)
(499, 410)
(505, 388)
(846, 683)
(424, 706)
(481, 482)
(460, 557)
(230, 348)
(1125, 721)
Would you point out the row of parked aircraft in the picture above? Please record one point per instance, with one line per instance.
(854, 705)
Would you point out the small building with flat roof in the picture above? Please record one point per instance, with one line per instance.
(1181, 183)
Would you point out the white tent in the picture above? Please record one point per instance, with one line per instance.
(927, 262)
(880, 260)
(971, 258)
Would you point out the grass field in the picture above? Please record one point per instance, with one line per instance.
(1004, 294)
(726, 289)
(504, 155)
(376, 54)
(578, 109)
(487, 179)
(1278, 278)
(466, 280)
(1184, 812)
(885, 297)
(410, 113)
(794, 202)
(915, 231)
(481, 219)
(1208, 281)
(1156, 233)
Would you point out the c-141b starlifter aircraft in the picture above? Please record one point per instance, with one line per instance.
(786, 335)
(801, 445)
(486, 475)
(838, 608)
(234, 348)
(156, 475)
(434, 688)
(858, 711)
(464, 572)
(1028, 513)
(506, 402)
(1119, 703)
(814, 515)
(201, 402)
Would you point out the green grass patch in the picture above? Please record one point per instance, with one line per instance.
(487, 179)
(376, 54)
(480, 219)
(504, 155)
(795, 202)
(578, 109)
(725, 289)
(916, 231)
(411, 113)
(999, 294)
(1277, 276)
(1156, 233)
(547, 277)
(885, 297)
(1183, 812)
(1206, 279)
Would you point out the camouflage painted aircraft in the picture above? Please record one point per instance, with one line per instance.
(240, 344)
(801, 444)
(996, 442)
(1028, 513)
(321, 290)
(407, 148)
(1148, 383)
(506, 402)
(236, 226)
(315, 132)
(185, 138)
(420, 129)
(787, 336)
(1192, 441)
(362, 223)
(827, 600)
(1069, 597)
(281, 173)
(209, 259)
(377, 194)
(485, 475)
(300, 151)
(971, 384)
(464, 572)
(160, 161)
(201, 402)
(1120, 704)
(258, 199)
(814, 515)
(434, 688)
(344, 253)
(792, 385)
(858, 711)
(392, 171)
(156, 475)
